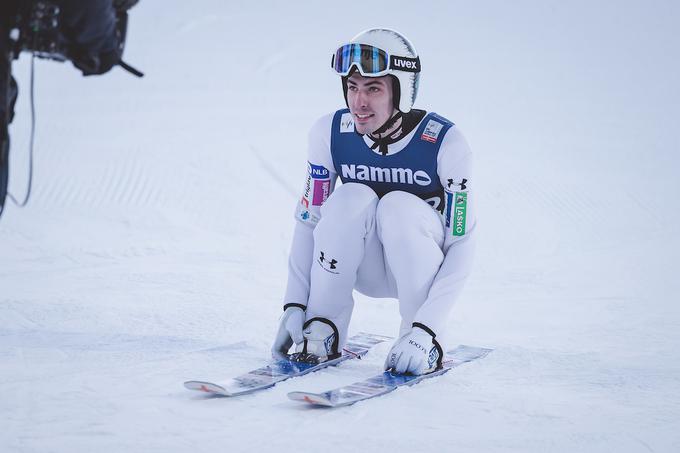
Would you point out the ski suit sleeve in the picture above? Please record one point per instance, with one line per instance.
(319, 183)
(454, 168)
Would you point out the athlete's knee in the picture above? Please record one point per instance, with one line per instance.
(399, 204)
(350, 200)
(400, 210)
(401, 215)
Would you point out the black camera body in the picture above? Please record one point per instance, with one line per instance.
(38, 26)
(37, 29)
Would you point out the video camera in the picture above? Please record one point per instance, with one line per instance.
(37, 30)
(40, 27)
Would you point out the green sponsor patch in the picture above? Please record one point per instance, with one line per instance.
(459, 214)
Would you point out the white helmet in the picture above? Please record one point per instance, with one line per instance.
(382, 52)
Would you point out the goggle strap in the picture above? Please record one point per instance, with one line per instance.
(351, 55)
(405, 63)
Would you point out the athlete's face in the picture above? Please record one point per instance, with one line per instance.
(370, 101)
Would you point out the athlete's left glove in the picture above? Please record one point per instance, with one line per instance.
(417, 352)
(290, 330)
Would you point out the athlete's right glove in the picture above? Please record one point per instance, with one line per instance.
(416, 352)
(290, 330)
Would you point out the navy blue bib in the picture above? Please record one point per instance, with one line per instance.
(412, 170)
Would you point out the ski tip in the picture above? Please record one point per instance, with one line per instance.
(207, 387)
(310, 398)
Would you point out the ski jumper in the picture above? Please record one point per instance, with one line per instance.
(400, 225)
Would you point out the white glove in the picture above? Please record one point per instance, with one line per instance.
(290, 331)
(416, 352)
(320, 339)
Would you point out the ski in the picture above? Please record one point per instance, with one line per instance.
(280, 370)
(387, 381)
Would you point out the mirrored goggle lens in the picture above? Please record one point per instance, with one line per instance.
(370, 60)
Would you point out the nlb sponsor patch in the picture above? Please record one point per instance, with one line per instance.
(346, 123)
(432, 130)
(318, 185)
(459, 214)
(317, 171)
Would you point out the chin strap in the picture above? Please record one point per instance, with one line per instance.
(409, 121)
(382, 141)
(388, 124)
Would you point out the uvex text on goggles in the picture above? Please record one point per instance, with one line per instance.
(370, 61)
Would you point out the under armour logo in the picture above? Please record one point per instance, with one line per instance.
(331, 263)
(461, 184)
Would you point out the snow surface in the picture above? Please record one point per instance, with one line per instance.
(154, 248)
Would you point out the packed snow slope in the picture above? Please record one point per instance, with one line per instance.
(154, 248)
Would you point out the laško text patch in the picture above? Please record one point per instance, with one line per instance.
(459, 214)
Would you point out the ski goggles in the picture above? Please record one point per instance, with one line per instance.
(371, 61)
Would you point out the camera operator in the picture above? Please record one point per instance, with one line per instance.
(89, 33)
